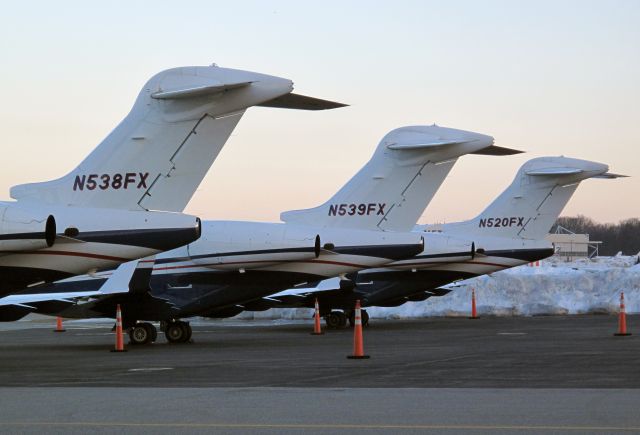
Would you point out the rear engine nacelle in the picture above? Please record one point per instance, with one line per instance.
(22, 230)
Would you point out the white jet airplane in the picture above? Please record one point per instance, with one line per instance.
(124, 200)
(234, 262)
(509, 233)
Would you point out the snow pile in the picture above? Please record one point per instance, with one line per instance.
(555, 287)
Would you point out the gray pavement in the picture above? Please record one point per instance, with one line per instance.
(536, 352)
(493, 375)
(318, 410)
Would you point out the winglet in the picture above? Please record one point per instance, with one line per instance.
(133, 276)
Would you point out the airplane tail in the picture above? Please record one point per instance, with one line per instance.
(392, 190)
(528, 208)
(158, 155)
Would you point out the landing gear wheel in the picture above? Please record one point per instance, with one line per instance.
(365, 317)
(342, 318)
(177, 332)
(336, 320)
(153, 332)
(187, 331)
(332, 320)
(139, 334)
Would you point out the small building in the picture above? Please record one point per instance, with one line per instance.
(571, 246)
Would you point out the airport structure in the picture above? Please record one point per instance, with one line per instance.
(571, 246)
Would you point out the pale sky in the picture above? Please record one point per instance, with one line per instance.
(552, 78)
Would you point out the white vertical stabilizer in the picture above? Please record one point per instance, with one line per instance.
(395, 186)
(158, 155)
(528, 208)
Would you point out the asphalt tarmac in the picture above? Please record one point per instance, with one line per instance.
(565, 374)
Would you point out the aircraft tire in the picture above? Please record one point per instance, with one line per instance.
(139, 334)
(188, 332)
(175, 332)
(343, 319)
(153, 332)
(333, 320)
(365, 317)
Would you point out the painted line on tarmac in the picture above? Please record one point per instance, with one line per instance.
(94, 334)
(150, 369)
(470, 427)
(369, 371)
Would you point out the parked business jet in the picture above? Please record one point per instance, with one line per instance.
(124, 200)
(509, 233)
(234, 262)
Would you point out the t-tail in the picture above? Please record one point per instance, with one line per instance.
(393, 189)
(529, 207)
(158, 155)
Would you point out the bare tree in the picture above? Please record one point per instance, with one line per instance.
(621, 237)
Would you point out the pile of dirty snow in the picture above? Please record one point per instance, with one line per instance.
(555, 287)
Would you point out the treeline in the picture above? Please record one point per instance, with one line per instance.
(621, 237)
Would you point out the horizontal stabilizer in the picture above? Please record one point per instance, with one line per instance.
(197, 91)
(610, 176)
(531, 204)
(494, 150)
(301, 102)
(424, 145)
(394, 187)
(554, 171)
(157, 156)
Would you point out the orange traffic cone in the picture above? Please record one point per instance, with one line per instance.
(59, 327)
(119, 333)
(358, 345)
(316, 321)
(474, 312)
(622, 319)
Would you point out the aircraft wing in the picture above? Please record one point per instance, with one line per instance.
(132, 276)
(25, 300)
(302, 295)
